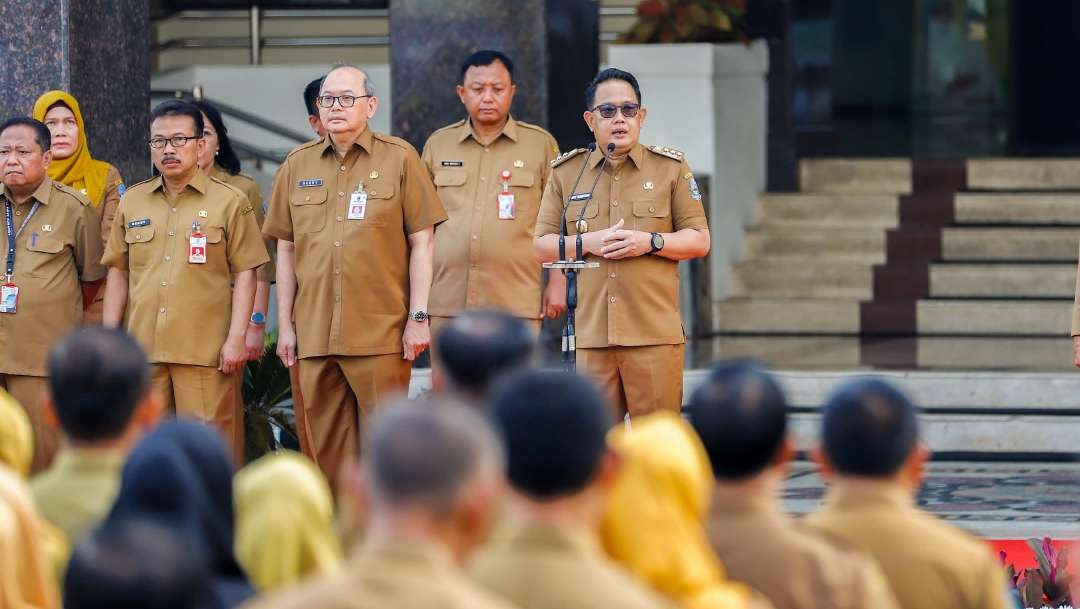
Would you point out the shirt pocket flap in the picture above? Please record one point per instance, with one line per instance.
(311, 196)
(45, 245)
(141, 234)
(652, 208)
(524, 180)
(213, 233)
(384, 191)
(450, 177)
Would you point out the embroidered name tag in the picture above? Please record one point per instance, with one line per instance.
(139, 223)
(452, 163)
(310, 183)
(581, 196)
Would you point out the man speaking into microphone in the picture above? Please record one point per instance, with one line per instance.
(639, 212)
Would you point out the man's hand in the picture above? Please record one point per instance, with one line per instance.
(255, 341)
(554, 303)
(233, 355)
(416, 338)
(286, 344)
(619, 243)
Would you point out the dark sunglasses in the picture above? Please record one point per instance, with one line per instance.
(609, 110)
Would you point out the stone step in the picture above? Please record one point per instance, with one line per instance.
(995, 317)
(824, 277)
(828, 210)
(1023, 174)
(995, 353)
(1015, 208)
(1043, 244)
(802, 316)
(1003, 280)
(855, 176)
(866, 245)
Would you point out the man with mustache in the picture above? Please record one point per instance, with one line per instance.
(52, 242)
(177, 242)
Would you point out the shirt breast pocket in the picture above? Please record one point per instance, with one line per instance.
(381, 207)
(40, 251)
(526, 200)
(652, 215)
(309, 210)
(140, 246)
(215, 246)
(573, 212)
(450, 184)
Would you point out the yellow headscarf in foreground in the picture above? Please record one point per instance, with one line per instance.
(79, 170)
(654, 522)
(27, 580)
(16, 436)
(284, 521)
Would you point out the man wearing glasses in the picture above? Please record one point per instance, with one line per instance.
(51, 243)
(176, 243)
(354, 214)
(640, 213)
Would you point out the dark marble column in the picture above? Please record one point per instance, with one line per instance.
(771, 20)
(99, 51)
(430, 38)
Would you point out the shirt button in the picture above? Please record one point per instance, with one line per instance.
(486, 149)
(652, 209)
(138, 237)
(161, 310)
(612, 275)
(616, 178)
(337, 244)
(168, 258)
(337, 271)
(339, 218)
(174, 210)
(172, 233)
(18, 213)
(164, 283)
(612, 299)
(308, 198)
(341, 194)
(373, 193)
(343, 168)
(337, 298)
(614, 203)
(483, 178)
(474, 237)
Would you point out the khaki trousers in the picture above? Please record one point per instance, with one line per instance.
(638, 380)
(338, 391)
(30, 392)
(205, 394)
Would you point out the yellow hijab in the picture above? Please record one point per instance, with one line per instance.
(654, 521)
(16, 436)
(80, 170)
(284, 521)
(27, 580)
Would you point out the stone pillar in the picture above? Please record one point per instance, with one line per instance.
(97, 50)
(430, 38)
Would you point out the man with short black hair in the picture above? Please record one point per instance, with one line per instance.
(740, 413)
(477, 347)
(178, 241)
(100, 399)
(554, 426)
(490, 171)
(874, 463)
(311, 94)
(51, 245)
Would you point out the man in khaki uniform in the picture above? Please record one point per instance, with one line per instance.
(871, 457)
(176, 244)
(354, 215)
(740, 413)
(548, 555)
(490, 171)
(429, 505)
(644, 215)
(51, 243)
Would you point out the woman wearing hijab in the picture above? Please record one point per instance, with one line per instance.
(284, 521)
(73, 165)
(654, 523)
(181, 475)
(27, 579)
(220, 162)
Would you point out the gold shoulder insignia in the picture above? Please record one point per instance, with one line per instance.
(562, 158)
(670, 153)
(247, 210)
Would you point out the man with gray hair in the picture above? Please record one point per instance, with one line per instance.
(427, 481)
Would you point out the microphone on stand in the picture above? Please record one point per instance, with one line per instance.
(581, 216)
(570, 197)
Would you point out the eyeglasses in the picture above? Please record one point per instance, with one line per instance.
(608, 110)
(177, 141)
(346, 101)
(22, 155)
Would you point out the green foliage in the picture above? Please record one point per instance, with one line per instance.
(267, 395)
(667, 21)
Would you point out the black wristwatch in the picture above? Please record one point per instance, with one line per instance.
(657, 242)
(420, 316)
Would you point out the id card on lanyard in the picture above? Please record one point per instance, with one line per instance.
(9, 292)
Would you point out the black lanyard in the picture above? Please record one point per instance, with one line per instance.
(13, 234)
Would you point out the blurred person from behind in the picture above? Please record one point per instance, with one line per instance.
(654, 524)
(27, 579)
(16, 436)
(284, 521)
(475, 348)
(548, 555)
(428, 479)
(100, 399)
(872, 459)
(740, 414)
(311, 97)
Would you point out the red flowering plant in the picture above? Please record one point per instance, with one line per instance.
(1047, 586)
(666, 21)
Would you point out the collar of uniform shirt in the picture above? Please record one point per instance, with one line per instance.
(198, 182)
(41, 193)
(365, 141)
(509, 130)
(637, 155)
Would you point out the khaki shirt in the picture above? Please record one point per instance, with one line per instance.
(180, 312)
(400, 575)
(558, 568)
(247, 185)
(352, 276)
(77, 492)
(928, 563)
(792, 566)
(480, 260)
(634, 301)
(110, 200)
(60, 246)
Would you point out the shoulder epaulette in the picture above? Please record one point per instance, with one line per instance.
(670, 153)
(566, 156)
(449, 127)
(80, 197)
(396, 141)
(304, 146)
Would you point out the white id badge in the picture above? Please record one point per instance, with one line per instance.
(357, 206)
(9, 298)
(506, 207)
(197, 249)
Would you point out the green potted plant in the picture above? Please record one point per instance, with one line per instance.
(269, 421)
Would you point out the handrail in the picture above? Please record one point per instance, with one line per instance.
(258, 153)
(238, 42)
(243, 115)
(361, 13)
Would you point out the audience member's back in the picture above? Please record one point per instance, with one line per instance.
(740, 413)
(27, 580)
(874, 463)
(477, 347)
